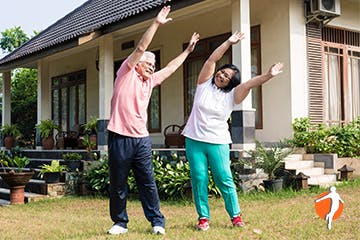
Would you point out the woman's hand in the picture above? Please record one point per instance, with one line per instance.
(236, 37)
(275, 69)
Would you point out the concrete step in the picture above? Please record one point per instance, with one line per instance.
(29, 197)
(36, 186)
(293, 165)
(55, 154)
(314, 171)
(323, 180)
(4, 202)
(294, 157)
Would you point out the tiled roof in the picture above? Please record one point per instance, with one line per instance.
(92, 15)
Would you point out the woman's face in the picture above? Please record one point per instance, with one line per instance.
(223, 77)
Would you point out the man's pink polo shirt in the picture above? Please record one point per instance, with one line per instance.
(128, 115)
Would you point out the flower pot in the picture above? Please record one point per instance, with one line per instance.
(16, 182)
(48, 143)
(9, 142)
(52, 177)
(73, 165)
(93, 139)
(273, 185)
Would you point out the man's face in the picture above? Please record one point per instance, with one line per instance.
(145, 67)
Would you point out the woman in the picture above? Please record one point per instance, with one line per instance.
(207, 135)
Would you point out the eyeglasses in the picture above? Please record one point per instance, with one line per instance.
(149, 64)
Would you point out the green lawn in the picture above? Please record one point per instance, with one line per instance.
(285, 215)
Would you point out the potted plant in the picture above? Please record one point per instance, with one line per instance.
(10, 133)
(46, 129)
(90, 129)
(14, 175)
(51, 172)
(270, 160)
(72, 160)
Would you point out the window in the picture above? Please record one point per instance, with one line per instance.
(154, 108)
(68, 93)
(256, 94)
(193, 65)
(204, 48)
(341, 75)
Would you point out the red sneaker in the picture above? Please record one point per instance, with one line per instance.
(237, 222)
(203, 224)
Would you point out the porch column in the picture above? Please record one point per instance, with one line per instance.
(106, 82)
(43, 98)
(243, 118)
(6, 101)
(6, 98)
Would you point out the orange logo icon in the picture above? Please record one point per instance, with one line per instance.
(329, 206)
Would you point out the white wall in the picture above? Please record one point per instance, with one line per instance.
(73, 62)
(350, 15)
(273, 18)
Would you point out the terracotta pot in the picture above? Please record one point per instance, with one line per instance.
(48, 143)
(9, 142)
(93, 138)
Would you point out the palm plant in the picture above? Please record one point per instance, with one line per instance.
(269, 159)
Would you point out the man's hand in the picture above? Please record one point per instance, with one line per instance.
(194, 39)
(236, 37)
(162, 15)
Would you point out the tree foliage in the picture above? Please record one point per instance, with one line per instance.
(24, 101)
(12, 38)
(23, 87)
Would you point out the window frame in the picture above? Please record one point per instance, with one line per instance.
(64, 83)
(255, 44)
(150, 128)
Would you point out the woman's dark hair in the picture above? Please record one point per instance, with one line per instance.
(234, 81)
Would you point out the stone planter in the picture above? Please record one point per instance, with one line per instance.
(16, 182)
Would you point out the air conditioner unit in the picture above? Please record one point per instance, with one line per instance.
(325, 7)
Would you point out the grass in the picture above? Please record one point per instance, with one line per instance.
(284, 215)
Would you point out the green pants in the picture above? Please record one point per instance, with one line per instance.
(201, 156)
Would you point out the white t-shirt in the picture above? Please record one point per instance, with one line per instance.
(208, 119)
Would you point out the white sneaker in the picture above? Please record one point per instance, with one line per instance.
(116, 230)
(158, 230)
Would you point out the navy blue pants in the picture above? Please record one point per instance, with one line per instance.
(125, 154)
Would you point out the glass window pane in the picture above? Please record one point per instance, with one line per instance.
(69, 100)
(64, 109)
(155, 109)
(193, 70)
(72, 109)
(82, 104)
(55, 106)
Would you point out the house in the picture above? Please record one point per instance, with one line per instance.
(317, 40)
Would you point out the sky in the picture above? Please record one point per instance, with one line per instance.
(34, 14)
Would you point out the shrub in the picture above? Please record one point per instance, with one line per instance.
(171, 176)
(72, 156)
(342, 140)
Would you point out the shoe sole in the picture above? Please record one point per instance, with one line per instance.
(203, 229)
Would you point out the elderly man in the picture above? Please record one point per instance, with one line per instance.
(129, 142)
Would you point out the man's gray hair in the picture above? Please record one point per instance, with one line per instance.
(147, 55)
